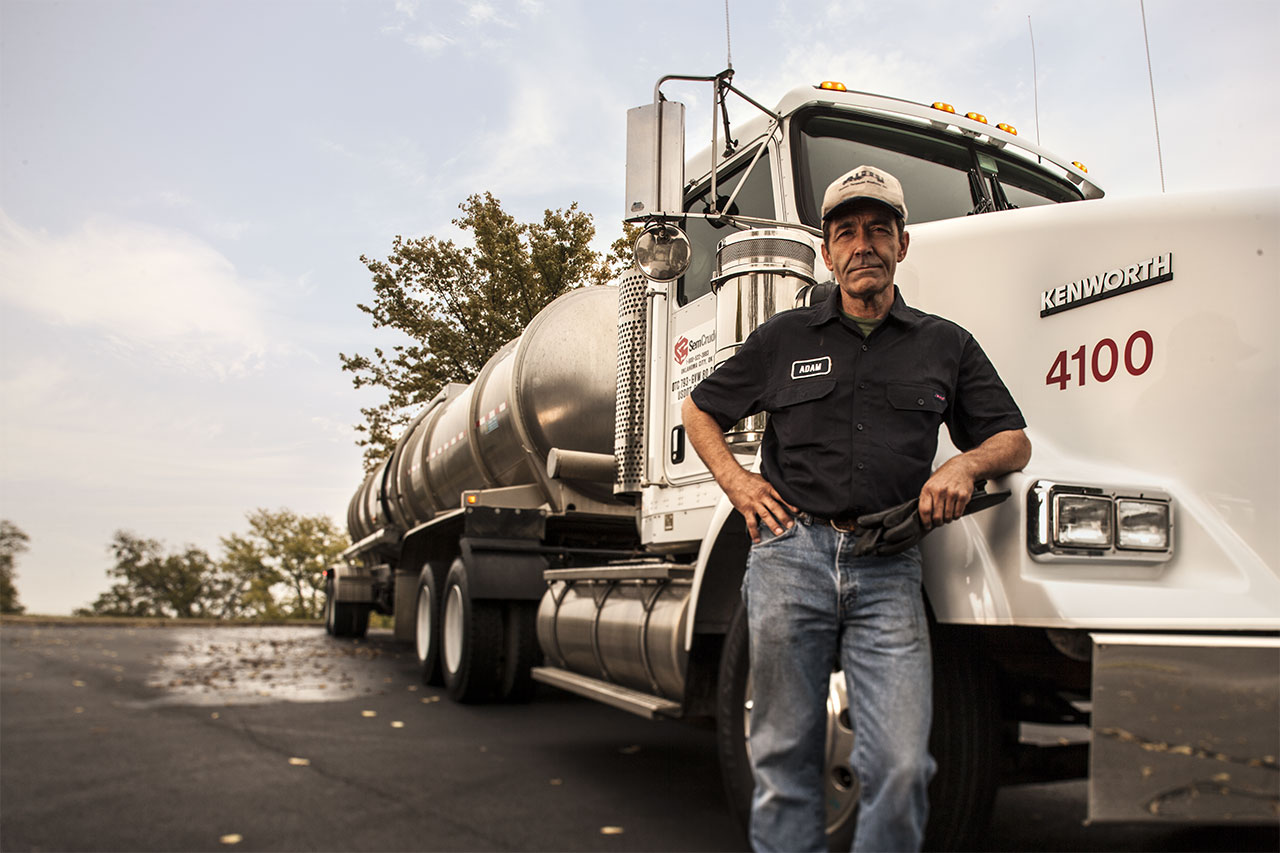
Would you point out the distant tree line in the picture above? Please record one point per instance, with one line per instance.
(273, 571)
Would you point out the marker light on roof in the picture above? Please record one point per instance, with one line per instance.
(1008, 128)
(833, 85)
(976, 117)
(946, 108)
(1079, 166)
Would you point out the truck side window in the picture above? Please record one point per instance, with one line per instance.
(755, 199)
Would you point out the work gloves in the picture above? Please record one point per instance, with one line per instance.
(894, 530)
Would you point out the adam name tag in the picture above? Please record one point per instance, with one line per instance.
(811, 367)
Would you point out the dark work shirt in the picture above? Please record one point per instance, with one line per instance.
(853, 421)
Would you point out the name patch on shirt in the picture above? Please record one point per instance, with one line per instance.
(811, 367)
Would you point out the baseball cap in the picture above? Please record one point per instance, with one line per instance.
(864, 182)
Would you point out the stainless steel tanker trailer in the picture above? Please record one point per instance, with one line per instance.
(548, 523)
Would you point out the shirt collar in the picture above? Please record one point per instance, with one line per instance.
(830, 309)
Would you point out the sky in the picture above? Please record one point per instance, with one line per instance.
(187, 187)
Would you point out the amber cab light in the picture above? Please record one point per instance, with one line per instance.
(946, 108)
(1079, 166)
(833, 85)
(1008, 128)
(976, 117)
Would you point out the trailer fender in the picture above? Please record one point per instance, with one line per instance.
(352, 584)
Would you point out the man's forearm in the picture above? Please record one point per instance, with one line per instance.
(707, 440)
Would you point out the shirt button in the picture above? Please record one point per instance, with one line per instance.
(861, 466)
(920, 402)
(859, 427)
(865, 347)
(862, 386)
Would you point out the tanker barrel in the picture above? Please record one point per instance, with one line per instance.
(581, 465)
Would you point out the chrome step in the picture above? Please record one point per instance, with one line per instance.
(624, 698)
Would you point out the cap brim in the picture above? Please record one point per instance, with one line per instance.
(848, 201)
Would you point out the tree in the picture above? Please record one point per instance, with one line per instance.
(183, 584)
(277, 569)
(12, 543)
(459, 304)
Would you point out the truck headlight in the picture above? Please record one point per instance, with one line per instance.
(1082, 521)
(1142, 525)
(1071, 521)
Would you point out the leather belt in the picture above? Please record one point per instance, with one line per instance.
(847, 524)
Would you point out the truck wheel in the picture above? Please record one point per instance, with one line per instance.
(471, 641)
(521, 652)
(427, 625)
(966, 742)
(733, 714)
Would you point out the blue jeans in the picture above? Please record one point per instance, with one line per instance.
(813, 607)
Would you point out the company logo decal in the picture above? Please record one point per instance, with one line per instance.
(811, 367)
(1114, 282)
(682, 350)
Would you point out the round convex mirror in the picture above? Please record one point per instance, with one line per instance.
(663, 252)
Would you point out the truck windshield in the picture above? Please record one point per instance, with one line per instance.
(942, 176)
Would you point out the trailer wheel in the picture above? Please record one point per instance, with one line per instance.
(521, 652)
(328, 605)
(471, 641)
(343, 618)
(427, 624)
(733, 715)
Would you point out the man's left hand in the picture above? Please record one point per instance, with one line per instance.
(946, 494)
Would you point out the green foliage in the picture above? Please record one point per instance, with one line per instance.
(12, 543)
(277, 569)
(274, 571)
(150, 582)
(458, 305)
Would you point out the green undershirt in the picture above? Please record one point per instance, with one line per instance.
(867, 326)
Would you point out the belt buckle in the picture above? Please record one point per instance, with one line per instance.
(837, 522)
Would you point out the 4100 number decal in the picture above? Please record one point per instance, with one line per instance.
(1103, 361)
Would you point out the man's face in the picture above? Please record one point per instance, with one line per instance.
(863, 248)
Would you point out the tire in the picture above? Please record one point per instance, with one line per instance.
(521, 652)
(328, 606)
(427, 622)
(343, 618)
(471, 641)
(733, 709)
(966, 741)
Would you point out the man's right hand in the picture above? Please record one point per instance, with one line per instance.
(750, 494)
(758, 501)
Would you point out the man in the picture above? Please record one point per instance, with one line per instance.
(856, 389)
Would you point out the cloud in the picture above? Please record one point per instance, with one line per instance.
(142, 287)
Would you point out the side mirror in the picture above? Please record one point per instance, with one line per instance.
(655, 160)
(663, 252)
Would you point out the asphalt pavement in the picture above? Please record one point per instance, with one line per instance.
(281, 738)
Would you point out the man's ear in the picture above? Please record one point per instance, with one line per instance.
(826, 257)
(902, 252)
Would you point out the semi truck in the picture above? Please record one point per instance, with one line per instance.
(548, 522)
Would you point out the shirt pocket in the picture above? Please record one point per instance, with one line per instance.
(801, 391)
(917, 414)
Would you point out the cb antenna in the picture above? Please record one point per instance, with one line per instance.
(1152, 82)
(1035, 78)
(728, 46)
